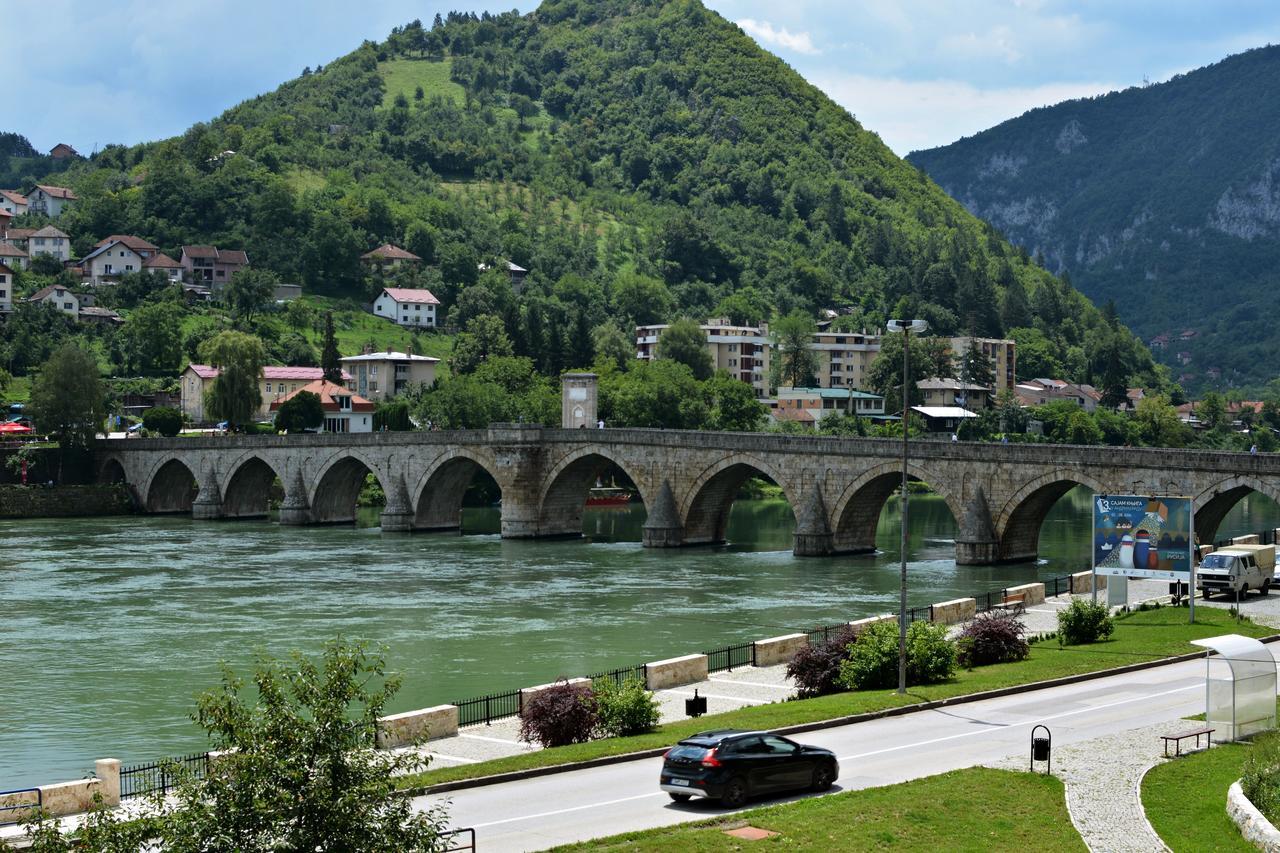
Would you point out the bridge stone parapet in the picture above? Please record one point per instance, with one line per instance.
(998, 494)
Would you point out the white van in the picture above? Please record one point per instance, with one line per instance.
(1235, 570)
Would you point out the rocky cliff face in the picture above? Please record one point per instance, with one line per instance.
(1164, 198)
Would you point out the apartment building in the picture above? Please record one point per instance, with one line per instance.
(743, 351)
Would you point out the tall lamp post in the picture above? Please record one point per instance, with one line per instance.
(906, 327)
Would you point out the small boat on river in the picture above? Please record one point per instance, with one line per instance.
(607, 496)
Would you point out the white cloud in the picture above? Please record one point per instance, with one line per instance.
(763, 31)
(911, 115)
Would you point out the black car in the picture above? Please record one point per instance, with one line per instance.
(731, 765)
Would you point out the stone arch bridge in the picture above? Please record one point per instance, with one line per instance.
(998, 494)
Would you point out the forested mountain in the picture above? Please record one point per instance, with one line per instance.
(642, 159)
(21, 164)
(1164, 198)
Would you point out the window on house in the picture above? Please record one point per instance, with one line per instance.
(3, 294)
(373, 370)
(69, 306)
(373, 386)
(128, 267)
(221, 273)
(268, 387)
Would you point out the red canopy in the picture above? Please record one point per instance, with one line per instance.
(14, 427)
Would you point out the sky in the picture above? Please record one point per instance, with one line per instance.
(921, 73)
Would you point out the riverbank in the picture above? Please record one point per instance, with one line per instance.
(18, 501)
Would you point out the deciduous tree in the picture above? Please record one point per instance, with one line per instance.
(685, 342)
(234, 396)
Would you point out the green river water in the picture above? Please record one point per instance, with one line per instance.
(109, 627)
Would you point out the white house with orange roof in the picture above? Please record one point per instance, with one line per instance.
(277, 382)
(344, 411)
(12, 257)
(13, 202)
(407, 306)
(50, 200)
(50, 241)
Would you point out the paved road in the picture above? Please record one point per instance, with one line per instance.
(537, 813)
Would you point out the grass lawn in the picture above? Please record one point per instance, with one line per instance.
(1142, 636)
(404, 76)
(1186, 799)
(975, 809)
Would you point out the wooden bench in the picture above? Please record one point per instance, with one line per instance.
(1181, 736)
(1013, 603)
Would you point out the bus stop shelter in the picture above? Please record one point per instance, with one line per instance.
(1240, 686)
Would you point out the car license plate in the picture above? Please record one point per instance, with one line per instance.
(684, 783)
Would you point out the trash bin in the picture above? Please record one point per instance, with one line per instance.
(1041, 747)
(697, 706)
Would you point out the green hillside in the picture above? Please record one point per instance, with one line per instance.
(1165, 199)
(641, 159)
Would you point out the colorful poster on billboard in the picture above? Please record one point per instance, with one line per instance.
(1142, 536)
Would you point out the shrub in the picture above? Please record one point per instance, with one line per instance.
(873, 659)
(995, 637)
(1260, 779)
(560, 715)
(627, 708)
(302, 411)
(816, 669)
(162, 419)
(1083, 622)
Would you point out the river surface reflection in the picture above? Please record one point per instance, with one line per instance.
(110, 627)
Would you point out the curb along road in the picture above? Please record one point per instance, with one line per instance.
(817, 725)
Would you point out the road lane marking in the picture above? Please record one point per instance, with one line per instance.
(718, 696)
(443, 757)
(570, 809)
(498, 740)
(1014, 725)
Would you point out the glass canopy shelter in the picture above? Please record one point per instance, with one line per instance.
(1240, 686)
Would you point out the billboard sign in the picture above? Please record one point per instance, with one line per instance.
(1143, 536)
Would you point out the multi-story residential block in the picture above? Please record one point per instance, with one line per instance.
(380, 375)
(843, 358)
(1002, 353)
(744, 351)
(811, 405)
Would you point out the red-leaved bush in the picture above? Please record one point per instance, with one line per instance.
(559, 715)
(816, 669)
(994, 637)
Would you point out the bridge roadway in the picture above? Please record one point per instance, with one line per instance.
(999, 494)
(537, 813)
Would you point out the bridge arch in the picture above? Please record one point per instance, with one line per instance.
(1020, 519)
(1214, 502)
(706, 505)
(857, 510)
(337, 486)
(563, 497)
(111, 471)
(247, 492)
(170, 488)
(438, 494)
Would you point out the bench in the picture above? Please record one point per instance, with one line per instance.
(1181, 736)
(1013, 603)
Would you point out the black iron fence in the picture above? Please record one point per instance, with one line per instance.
(137, 780)
(724, 660)
(17, 805)
(459, 840)
(825, 633)
(622, 676)
(486, 709)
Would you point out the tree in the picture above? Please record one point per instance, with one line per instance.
(297, 769)
(793, 335)
(734, 406)
(685, 342)
(658, 394)
(234, 396)
(976, 367)
(302, 411)
(67, 399)
(248, 292)
(151, 339)
(884, 374)
(641, 300)
(392, 416)
(1157, 423)
(613, 345)
(297, 351)
(330, 360)
(162, 419)
(485, 337)
(1212, 411)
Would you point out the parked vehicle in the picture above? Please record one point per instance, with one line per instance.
(1236, 570)
(731, 766)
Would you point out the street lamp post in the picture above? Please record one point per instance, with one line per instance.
(906, 327)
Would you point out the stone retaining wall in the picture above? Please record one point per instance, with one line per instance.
(1256, 829)
(951, 612)
(526, 692)
(675, 672)
(1083, 582)
(776, 650)
(1249, 539)
(1033, 592)
(860, 624)
(64, 501)
(413, 726)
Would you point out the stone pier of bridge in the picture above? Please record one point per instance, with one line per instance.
(998, 494)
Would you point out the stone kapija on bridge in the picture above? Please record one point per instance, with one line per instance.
(998, 494)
